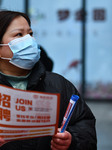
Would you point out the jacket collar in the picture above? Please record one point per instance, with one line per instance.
(37, 73)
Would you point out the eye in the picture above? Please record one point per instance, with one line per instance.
(19, 34)
(31, 33)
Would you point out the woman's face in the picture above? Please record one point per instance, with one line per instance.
(19, 27)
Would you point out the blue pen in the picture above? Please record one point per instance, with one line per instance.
(69, 112)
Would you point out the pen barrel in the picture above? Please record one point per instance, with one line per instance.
(69, 112)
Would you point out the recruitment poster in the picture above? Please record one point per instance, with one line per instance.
(27, 114)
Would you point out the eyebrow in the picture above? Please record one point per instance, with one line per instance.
(21, 30)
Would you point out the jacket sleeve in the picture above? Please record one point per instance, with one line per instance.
(82, 122)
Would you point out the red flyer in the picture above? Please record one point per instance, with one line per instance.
(27, 114)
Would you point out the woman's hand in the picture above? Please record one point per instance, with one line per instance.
(61, 141)
(2, 142)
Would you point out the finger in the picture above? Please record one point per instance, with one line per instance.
(55, 146)
(60, 141)
(64, 136)
(2, 141)
(1, 144)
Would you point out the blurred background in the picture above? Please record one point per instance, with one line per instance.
(77, 36)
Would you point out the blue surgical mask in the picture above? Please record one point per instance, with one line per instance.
(25, 52)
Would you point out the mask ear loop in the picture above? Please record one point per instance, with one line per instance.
(4, 44)
(3, 57)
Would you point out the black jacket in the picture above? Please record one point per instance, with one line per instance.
(81, 125)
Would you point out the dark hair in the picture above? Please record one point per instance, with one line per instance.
(6, 17)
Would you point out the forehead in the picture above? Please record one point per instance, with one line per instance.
(18, 23)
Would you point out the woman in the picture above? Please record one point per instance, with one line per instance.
(20, 68)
